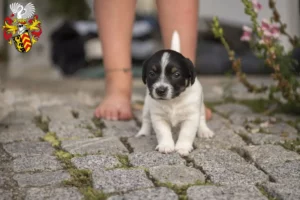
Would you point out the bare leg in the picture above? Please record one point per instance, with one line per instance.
(115, 21)
(181, 16)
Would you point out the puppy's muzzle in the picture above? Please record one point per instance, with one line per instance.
(161, 91)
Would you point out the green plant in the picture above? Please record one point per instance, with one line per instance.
(263, 41)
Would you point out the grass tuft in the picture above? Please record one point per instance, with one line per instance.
(264, 192)
(123, 159)
(42, 123)
(52, 139)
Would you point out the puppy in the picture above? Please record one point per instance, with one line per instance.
(174, 98)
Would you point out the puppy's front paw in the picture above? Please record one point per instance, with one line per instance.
(205, 133)
(142, 133)
(165, 147)
(183, 149)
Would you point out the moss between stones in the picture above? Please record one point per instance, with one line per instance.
(125, 142)
(292, 145)
(96, 132)
(245, 138)
(98, 123)
(181, 191)
(264, 192)
(52, 139)
(123, 159)
(257, 105)
(79, 178)
(41, 123)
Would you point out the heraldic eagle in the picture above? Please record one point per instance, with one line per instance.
(22, 12)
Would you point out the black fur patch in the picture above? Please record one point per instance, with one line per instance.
(179, 72)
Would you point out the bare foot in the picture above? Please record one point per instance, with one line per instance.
(115, 107)
(208, 113)
(116, 104)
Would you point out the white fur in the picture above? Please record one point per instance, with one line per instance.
(186, 110)
(175, 44)
(162, 79)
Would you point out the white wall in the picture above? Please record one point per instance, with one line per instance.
(233, 10)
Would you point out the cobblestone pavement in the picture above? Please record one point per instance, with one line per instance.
(52, 148)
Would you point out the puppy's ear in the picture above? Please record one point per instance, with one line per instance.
(192, 71)
(144, 70)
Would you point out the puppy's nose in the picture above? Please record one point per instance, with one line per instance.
(160, 91)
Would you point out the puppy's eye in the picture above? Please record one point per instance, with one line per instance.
(176, 75)
(151, 74)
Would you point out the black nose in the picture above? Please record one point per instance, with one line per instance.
(160, 91)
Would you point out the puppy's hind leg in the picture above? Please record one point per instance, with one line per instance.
(146, 122)
(203, 130)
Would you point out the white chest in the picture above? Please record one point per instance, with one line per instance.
(174, 114)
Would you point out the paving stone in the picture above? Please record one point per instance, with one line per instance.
(5, 180)
(70, 130)
(20, 132)
(230, 108)
(154, 158)
(36, 163)
(237, 129)
(241, 118)
(287, 118)
(19, 117)
(111, 145)
(262, 138)
(270, 154)
(237, 119)
(258, 118)
(120, 180)
(281, 129)
(218, 123)
(143, 144)
(159, 193)
(57, 112)
(71, 193)
(179, 175)
(227, 167)
(120, 128)
(224, 192)
(290, 191)
(6, 166)
(28, 148)
(252, 127)
(5, 194)
(223, 139)
(83, 112)
(4, 156)
(41, 179)
(282, 165)
(138, 115)
(94, 162)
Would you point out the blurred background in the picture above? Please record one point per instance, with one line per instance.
(69, 45)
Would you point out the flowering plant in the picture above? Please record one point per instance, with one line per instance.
(263, 40)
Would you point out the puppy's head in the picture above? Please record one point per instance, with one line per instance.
(167, 74)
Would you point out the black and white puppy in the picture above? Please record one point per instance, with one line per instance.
(174, 98)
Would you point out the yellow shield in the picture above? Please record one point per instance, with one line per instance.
(23, 42)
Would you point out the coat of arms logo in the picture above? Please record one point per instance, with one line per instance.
(22, 27)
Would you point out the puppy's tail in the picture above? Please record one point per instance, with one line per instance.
(175, 42)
